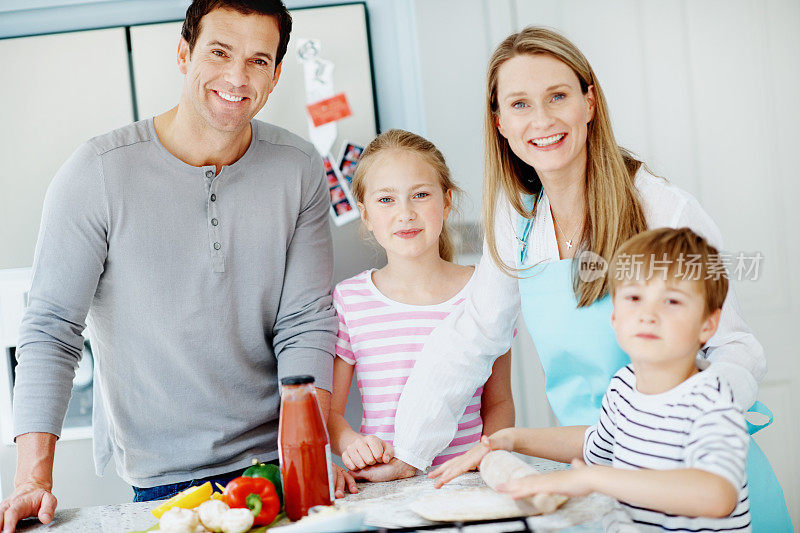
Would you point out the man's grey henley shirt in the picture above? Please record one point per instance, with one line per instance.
(201, 291)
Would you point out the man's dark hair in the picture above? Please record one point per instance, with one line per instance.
(272, 8)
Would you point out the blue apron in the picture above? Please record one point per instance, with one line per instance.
(579, 354)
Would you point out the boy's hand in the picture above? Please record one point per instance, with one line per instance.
(394, 469)
(366, 450)
(572, 482)
(501, 440)
(343, 480)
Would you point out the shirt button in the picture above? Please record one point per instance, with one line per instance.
(209, 173)
(214, 221)
(217, 246)
(213, 197)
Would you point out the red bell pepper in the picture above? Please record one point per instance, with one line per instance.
(254, 493)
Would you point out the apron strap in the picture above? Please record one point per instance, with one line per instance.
(761, 409)
(524, 227)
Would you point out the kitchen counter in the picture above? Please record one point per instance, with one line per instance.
(384, 504)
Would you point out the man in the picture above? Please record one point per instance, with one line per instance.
(198, 244)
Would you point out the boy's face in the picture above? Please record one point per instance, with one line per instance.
(661, 321)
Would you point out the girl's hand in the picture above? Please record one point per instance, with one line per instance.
(573, 482)
(366, 450)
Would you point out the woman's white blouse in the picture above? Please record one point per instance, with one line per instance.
(459, 354)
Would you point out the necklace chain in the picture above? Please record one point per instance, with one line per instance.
(568, 243)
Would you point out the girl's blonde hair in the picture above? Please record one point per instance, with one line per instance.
(401, 140)
(612, 209)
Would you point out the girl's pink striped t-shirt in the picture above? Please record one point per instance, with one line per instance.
(382, 338)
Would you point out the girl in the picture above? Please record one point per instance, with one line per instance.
(405, 194)
(558, 188)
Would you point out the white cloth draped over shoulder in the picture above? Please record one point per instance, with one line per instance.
(461, 351)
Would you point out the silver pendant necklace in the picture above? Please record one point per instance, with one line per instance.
(567, 242)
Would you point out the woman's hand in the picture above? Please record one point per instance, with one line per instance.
(456, 466)
(500, 440)
(573, 482)
(366, 450)
(394, 469)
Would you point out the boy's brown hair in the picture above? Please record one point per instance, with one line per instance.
(671, 253)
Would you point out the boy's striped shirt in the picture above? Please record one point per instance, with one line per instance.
(693, 425)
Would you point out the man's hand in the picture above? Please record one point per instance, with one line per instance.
(33, 482)
(572, 482)
(366, 450)
(343, 480)
(28, 499)
(394, 469)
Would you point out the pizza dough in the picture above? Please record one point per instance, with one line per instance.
(500, 466)
(482, 503)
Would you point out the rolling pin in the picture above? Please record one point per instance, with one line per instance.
(501, 466)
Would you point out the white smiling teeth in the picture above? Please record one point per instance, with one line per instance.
(230, 97)
(547, 141)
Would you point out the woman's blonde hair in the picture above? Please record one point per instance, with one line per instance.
(612, 210)
(401, 140)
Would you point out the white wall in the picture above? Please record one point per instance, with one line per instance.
(704, 91)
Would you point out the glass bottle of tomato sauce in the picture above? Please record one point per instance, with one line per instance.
(303, 448)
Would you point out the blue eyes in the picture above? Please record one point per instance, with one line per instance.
(519, 104)
(388, 199)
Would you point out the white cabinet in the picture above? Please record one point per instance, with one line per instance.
(57, 91)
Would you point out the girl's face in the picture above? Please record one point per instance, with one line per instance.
(543, 114)
(404, 205)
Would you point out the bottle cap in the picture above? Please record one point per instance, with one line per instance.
(297, 380)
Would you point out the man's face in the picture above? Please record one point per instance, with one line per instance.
(231, 71)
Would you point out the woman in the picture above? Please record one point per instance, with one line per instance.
(559, 188)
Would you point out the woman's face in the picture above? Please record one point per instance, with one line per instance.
(544, 115)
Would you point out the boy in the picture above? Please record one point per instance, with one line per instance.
(670, 444)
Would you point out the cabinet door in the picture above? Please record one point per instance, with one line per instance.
(58, 91)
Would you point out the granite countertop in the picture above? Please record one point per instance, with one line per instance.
(386, 505)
